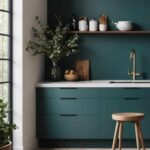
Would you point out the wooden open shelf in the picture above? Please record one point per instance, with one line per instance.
(111, 32)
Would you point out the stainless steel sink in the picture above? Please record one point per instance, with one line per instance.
(129, 82)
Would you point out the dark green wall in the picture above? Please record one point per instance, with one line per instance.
(108, 54)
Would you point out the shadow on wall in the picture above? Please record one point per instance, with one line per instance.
(60, 8)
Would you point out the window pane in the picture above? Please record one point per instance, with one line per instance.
(4, 21)
(4, 46)
(4, 95)
(4, 4)
(4, 71)
(4, 92)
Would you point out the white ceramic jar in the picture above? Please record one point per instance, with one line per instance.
(93, 25)
(83, 25)
(102, 27)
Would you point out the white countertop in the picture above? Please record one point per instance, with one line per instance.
(98, 83)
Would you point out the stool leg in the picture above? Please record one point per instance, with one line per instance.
(120, 135)
(137, 135)
(141, 136)
(115, 135)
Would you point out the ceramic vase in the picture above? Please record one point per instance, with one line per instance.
(55, 71)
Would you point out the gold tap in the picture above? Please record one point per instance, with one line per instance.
(133, 59)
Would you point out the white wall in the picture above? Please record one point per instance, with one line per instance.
(18, 74)
(28, 70)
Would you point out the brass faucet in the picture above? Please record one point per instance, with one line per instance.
(133, 59)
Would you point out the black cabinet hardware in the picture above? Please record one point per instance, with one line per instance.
(68, 115)
(68, 98)
(66, 88)
(131, 98)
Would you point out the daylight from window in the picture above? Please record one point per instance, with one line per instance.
(5, 58)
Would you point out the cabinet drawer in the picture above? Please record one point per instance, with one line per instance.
(68, 93)
(126, 93)
(70, 105)
(68, 127)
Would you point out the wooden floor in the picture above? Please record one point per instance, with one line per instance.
(87, 149)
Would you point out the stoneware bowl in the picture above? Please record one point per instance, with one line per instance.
(71, 77)
(124, 25)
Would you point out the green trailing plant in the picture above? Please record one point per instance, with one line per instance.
(55, 42)
(6, 128)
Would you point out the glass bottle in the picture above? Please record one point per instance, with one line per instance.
(73, 23)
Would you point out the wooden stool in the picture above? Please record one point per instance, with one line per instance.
(128, 117)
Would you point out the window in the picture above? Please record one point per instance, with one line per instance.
(6, 51)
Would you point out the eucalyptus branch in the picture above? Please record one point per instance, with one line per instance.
(56, 43)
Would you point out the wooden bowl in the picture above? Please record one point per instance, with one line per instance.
(71, 77)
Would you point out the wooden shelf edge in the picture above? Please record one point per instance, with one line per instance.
(110, 32)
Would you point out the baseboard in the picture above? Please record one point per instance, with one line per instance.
(86, 144)
(18, 148)
(29, 145)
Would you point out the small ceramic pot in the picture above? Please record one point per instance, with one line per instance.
(6, 147)
(102, 27)
(83, 25)
(93, 25)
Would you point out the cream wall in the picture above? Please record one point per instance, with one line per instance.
(28, 70)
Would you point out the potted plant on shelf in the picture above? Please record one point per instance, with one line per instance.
(55, 43)
(6, 128)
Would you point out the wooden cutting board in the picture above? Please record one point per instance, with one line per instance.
(82, 68)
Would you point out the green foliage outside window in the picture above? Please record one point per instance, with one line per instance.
(6, 128)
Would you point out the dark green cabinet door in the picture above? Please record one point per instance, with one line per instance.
(115, 105)
(146, 126)
(68, 113)
(68, 105)
(68, 93)
(146, 121)
(125, 93)
(69, 126)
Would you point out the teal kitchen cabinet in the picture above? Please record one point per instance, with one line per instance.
(68, 93)
(68, 106)
(129, 93)
(68, 126)
(124, 100)
(146, 122)
(68, 113)
(85, 113)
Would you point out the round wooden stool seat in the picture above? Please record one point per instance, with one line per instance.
(127, 116)
(122, 118)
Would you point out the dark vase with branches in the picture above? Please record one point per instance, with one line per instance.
(55, 43)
